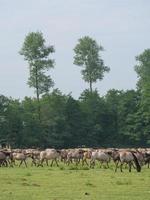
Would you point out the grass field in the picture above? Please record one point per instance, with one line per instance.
(71, 183)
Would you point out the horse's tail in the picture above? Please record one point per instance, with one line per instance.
(138, 167)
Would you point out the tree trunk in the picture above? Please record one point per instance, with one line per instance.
(91, 86)
(37, 95)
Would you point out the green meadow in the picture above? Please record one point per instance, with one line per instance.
(73, 183)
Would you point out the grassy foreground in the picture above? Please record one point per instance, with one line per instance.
(70, 183)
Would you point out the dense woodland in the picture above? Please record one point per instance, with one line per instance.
(52, 119)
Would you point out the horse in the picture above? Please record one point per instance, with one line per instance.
(147, 159)
(49, 154)
(63, 155)
(4, 158)
(76, 155)
(87, 155)
(20, 157)
(128, 157)
(101, 156)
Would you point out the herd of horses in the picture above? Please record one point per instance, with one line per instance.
(131, 158)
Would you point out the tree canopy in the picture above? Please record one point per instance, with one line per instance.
(87, 55)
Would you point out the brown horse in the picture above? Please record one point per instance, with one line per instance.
(49, 154)
(87, 155)
(147, 159)
(20, 157)
(75, 155)
(101, 156)
(128, 157)
(5, 158)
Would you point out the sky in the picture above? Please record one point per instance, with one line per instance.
(122, 27)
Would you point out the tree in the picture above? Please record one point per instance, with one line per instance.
(95, 119)
(4, 127)
(143, 71)
(37, 53)
(87, 55)
(54, 123)
(74, 123)
(143, 114)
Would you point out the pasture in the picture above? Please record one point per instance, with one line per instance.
(73, 183)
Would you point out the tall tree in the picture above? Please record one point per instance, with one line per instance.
(143, 115)
(87, 55)
(143, 71)
(95, 117)
(37, 53)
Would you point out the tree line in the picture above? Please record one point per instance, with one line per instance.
(52, 119)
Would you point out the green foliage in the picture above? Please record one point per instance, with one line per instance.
(113, 120)
(37, 53)
(87, 55)
(95, 118)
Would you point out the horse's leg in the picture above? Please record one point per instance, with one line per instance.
(130, 165)
(86, 163)
(126, 164)
(47, 162)
(25, 163)
(41, 162)
(32, 163)
(83, 160)
(56, 162)
(8, 162)
(65, 160)
(107, 164)
(52, 162)
(92, 163)
(121, 167)
(15, 163)
(116, 164)
(68, 161)
(11, 163)
(76, 161)
(5, 164)
(133, 165)
(20, 163)
(101, 162)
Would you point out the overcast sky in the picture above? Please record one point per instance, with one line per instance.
(122, 27)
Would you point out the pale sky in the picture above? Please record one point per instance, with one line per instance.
(122, 27)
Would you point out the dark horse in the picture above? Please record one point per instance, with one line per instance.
(5, 158)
